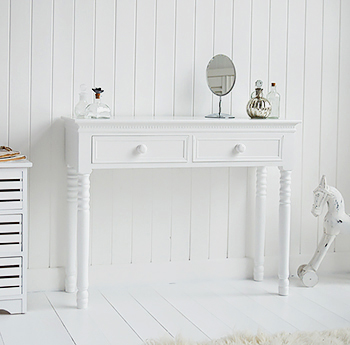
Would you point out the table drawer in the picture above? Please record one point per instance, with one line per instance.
(10, 233)
(11, 189)
(10, 276)
(139, 149)
(211, 149)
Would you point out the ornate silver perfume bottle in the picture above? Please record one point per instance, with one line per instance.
(258, 107)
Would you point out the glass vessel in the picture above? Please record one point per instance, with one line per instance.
(79, 110)
(97, 109)
(274, 98)
(258, 107)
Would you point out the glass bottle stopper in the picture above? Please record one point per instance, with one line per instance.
(98, 92)
(258, 84)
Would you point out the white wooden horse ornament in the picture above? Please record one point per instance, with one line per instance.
(335, 221)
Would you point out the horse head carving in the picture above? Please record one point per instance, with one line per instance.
(320, 195)
(336, 221)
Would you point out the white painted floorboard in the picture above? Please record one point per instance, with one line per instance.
(128, 315)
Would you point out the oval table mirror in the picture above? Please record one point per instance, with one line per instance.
(221, 77)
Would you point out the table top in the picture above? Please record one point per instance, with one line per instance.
(17, 164)
(169, 122)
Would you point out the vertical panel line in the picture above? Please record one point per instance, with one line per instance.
(174, 67)
(52, 58)
(135, 51)
(152, 216)
(51, 121)
(251, 44)
(113, 115)
(269, 49)
(30, 77)
(73, 55)
(209, 212)
(303, 130)
(338, 97)
(155, 58)
(190, 232)
(287, 60)
(214, 26)
(321, 112)
(30, 104)
(171, 215)
(115, 61)
(132, 176)
(174, 57)
(232, 35)
(8, 71)
(194, 54)
(213, 48)
(228, 212)
(94, 13)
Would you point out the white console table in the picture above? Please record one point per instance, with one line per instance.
(170, 143)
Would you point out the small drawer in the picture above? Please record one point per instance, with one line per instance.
(139, 149)
(10, 233)
(11, 189)
(10, 276)
(211, 149)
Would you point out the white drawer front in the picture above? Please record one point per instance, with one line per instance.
(10, 233)
(11, 189)
(237, 150)
(139, 149)
(10, 276)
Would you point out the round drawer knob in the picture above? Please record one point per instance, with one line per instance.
(240, 148)
(142, 148)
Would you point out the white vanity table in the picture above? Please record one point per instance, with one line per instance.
(170, 143)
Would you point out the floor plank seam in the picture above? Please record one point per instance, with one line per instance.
(323, 307)
(179, 311)
(1, 340)
(301, 311)
(150, 314)
(65, 327)
(114, 308)
(186, 316)
(262, 305)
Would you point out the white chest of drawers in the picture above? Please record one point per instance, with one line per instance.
(13, 235)
(174, 143)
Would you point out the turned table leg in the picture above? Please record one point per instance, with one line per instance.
(260, 217)
(284, 231)
(83, 226)
(71, 264)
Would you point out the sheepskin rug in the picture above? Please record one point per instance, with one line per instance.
(330, 337)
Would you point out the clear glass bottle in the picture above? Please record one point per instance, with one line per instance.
(79, 110)
(274, 98)
(97, 109)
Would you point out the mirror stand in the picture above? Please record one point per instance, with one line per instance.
(219, 115)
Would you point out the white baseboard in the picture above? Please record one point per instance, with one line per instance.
(239, 268)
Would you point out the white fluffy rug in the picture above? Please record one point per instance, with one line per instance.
(332, 337)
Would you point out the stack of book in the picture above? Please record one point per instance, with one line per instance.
(7, 154)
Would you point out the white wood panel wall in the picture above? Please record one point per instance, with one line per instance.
(150, 57)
